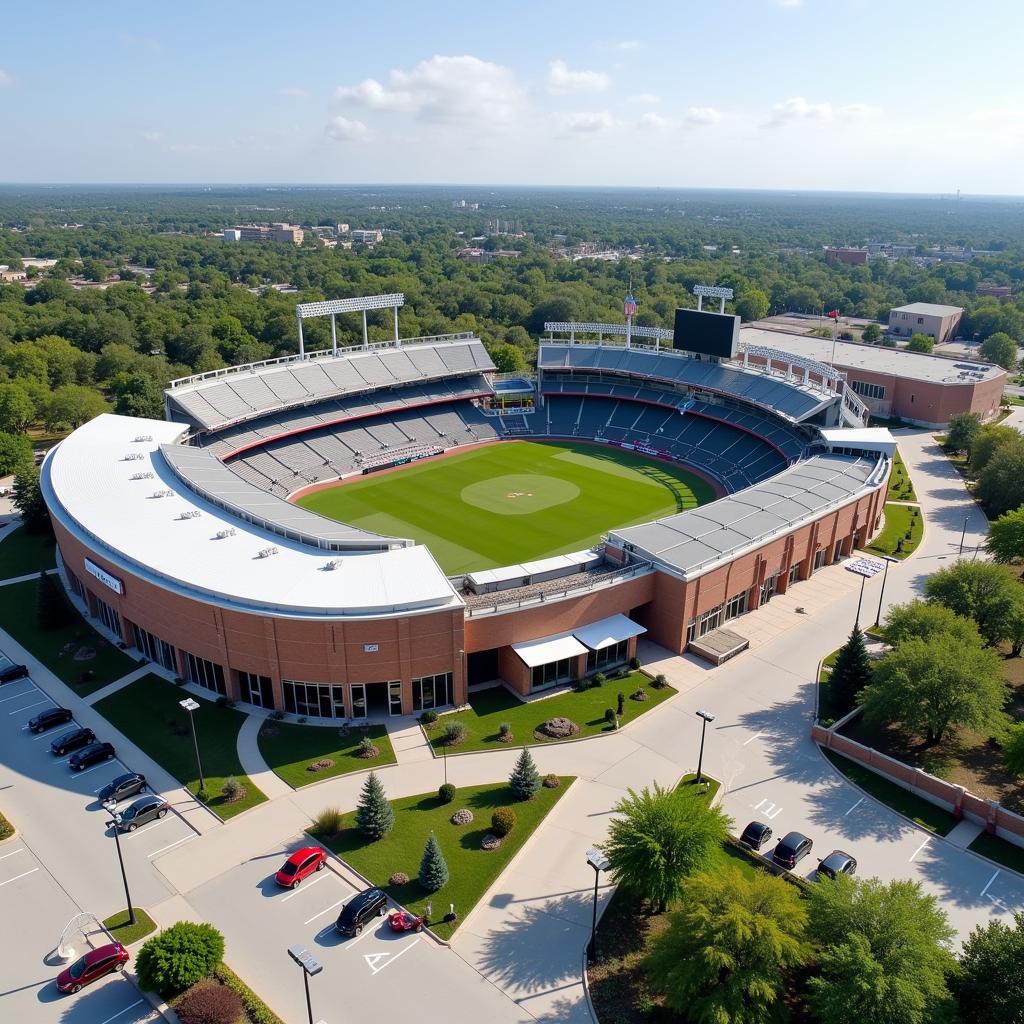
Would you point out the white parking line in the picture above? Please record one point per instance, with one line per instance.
(304, 888)
(919, 849)
(989, 882)
(46, 736)
(389, 958)
(169, 845)
(21, 693)
(326, 910)
(18, 711)
(855, 806)
(138, 1002)
(22, 875)
(752, 738)
(149, 827)
(359, 938)
(102, 764)
(12, 853)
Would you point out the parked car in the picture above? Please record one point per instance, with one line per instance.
(300, 864)
(359, 910)
(94, 964)
(92, 754)
(72, 741)
(12, 672)
(756, 835)
(403, 921)
(123, 786)
(837, 863)
(49, 718)
(145, 809)
(791, 849)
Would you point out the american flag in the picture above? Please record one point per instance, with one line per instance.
(629, 306)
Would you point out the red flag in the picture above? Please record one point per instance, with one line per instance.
(834, 313)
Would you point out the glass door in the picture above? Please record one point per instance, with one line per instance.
(358, 691)
(394, 698)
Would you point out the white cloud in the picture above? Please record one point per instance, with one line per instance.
(5, 78)
(563, 80)
(587, 122)
(626, 45)
(294, 91)
(654, 122)
(341, 129)
(799, 109)
(443, 89)
(152, 136)
(644, 99)
(703, 115)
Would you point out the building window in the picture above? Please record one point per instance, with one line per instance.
(108, 616)
(205, 673)
(76, 585)
(256, 689)
(736, 606)
(912, 397)
(920, 319)
(432, 691)
(768, 588)
(866, 390)
(794, 574)
(154, 648)
(313, 700)
(819, 557)
(705, 623)
(613, 654)
(552, 672)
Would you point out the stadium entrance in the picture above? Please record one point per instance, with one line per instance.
(376, 699)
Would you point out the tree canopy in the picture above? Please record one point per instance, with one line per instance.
(1006, 537)
(989, 594)
(964, 427)
(1001, 349)
(922, 620)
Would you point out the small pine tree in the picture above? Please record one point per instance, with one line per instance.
(433, 869)
(375, 817)
(525, 779)
(52, 608)
(852, 671)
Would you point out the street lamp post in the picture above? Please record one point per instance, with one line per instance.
(881, 594)
(964, 533)
(191, 706)
(310, 966)
(115, 823)
(599, 862)
(856, 621)
(705, 717)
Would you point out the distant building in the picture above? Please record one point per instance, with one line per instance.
(1003, 292)
(342, 229)
(367, 236)
(938, 322)
(473, 255)
(6, 274)
(232, 235)
(278, 232)
(851, 257)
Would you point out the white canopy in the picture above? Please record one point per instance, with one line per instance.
(548, 649)
(608, 631)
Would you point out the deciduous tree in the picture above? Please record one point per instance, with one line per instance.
(963, 429)
(1006, 537)
(987, 593)
(922, 620)
(920, 343)
(989, 986)
(1001, 349)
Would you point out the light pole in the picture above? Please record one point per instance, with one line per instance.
(705, 717)
(599, 862)
(310, 966)
(856, 621)
(191, 706)
(964, 533)
(885, 576)
(110, 806)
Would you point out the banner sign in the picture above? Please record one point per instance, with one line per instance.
(104, 577)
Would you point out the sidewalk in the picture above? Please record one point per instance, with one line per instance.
(253, 765)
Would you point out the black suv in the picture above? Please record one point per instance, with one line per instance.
(792, 849)
(837, 863)
(12, 672)
(91, 754)
(359, 910)
(123, 786)
(756, 834)
(48, 719)
(72, 741)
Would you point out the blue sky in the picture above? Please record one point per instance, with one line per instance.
(900, 95)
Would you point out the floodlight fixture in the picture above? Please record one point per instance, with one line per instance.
(307, 309)
(710, 291)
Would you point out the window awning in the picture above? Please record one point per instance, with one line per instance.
(608, 631)
(548, 649)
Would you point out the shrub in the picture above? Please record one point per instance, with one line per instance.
(453, 734)
(320, 766)
(209, 1003)
(634, 663)
(428, 717)
(399, 878)
(609, 717)
(366, 748)
(597, 679)
(490, 841)
(551, 781)
(232, 790)
(659, 682)
(622, 703)
(257, 1010)
(328, 822)
(446, 793)
(433, 869)
(525, 779)
(463, 816)
(505, 732)
(178, 957)
(503, 820)
(559, 728)
(374, 815)
(640, 695)
(580, 685)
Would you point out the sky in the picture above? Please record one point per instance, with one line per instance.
(864, 95)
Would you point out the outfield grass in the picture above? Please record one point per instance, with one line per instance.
(515, 501)
(147, 712)
(22, 552)
(489, 708)
(898, 519)
(56, 648)
(125, 933)
(296, 746)
(471, 869)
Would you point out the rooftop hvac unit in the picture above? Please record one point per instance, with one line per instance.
(192, 513)
(134, 457)
(334, 563)
(163, 494)
(143, 437)
(141, 476)
(266, 552)
(229, 532)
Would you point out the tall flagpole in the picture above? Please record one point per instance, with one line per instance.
(629, 308)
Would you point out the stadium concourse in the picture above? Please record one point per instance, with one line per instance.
(181, 537)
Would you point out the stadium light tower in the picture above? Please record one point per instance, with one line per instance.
(707, 291)
(332, 307)
(629, 308)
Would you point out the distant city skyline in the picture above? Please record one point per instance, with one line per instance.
(744, 94)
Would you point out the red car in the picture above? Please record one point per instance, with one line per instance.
(403, 921)
(95, 964)
(300, 864)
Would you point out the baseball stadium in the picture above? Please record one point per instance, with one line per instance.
(370, 531)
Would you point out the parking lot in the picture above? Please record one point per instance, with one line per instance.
(375, 975)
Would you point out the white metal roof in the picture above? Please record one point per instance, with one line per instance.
(548, 649)
(88, 485)
(507, 573)
(608, 631)
(928, 309)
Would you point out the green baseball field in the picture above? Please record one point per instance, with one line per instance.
(513, 502)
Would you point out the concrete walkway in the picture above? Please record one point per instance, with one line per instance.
(24, 579)
(408, 740)
(118, 684)
(252, 761)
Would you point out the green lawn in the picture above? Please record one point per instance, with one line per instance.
(587, 709)
(918, 810)
(125, 933)
(22, 552)
(514, 501)
(1008, 854)
(471, 869)
(898, 519)
(296, 746)
(147, 712)
(6, 829)
(901, 486)
(56, 648)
